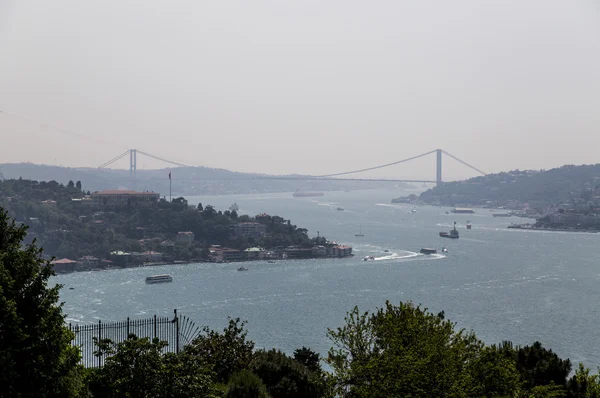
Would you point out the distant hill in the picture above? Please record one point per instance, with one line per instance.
(186, 180)
(537, 188)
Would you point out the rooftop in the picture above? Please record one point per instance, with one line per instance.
(123, 192)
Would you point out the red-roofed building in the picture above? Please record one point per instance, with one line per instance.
(64, 265)
(122, 197)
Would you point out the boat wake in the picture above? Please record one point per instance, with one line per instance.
(406, 255)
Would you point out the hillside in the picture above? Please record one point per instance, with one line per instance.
(186, 180)
(69, 229)
(536, 188)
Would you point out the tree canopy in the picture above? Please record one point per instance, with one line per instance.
(36, 356)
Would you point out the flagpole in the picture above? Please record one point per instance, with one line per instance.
(170, 200)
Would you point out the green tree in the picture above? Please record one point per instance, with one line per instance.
(285, 377)
(246, 384)
(583, 384)
(137, 367)
(406, 351)
(308, 358)
(36, 355)
(78, 185)
(200, 207)
(71, 184)
(229, 352)
(539, 366)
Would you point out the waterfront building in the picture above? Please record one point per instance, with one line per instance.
(250, 229)
(122, 197)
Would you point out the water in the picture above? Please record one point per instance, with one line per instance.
(504, 284)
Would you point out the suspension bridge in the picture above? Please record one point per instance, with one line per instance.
(339, 176)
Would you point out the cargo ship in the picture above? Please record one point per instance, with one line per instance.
(502, 215)
(452, 235)
(299, 194)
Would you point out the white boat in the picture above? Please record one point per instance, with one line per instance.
(159, 278)
(367, 258)
(242, 268)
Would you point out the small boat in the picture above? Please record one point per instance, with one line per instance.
(234, 207)
(428, 251)
(444, 250)
(468, 224)
(71, 288)
(367, 258)
(340, 209)
(386, 251)
(242, 268)
(359, 231)
(159, 278)
(452, 235)
(502, 215)
(413, 211)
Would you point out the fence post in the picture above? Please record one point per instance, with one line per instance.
(176, 331)
(154, 325)
(99, 339)
(127, 327)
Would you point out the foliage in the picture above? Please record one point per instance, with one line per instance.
(583, 384)
(136, 367)
(285, 377)
(406, 351)
(538, 188)
(246, 384)
(72, 230)
(36, 357)
(308, 358)
(229, 352)
(539, 366)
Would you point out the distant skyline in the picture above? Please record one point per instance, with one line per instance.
(306, 87)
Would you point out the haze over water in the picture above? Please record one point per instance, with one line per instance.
(504, 284)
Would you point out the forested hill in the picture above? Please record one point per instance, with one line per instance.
(537, 188)
(186, 180)
(68, 229)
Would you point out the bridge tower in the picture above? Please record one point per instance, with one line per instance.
(133, 166)
(438, 174)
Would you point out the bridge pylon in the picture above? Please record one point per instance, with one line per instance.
(438, 174)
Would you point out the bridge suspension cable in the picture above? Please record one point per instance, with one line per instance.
(114, 159)
(376, 167)
(465, 163)
(162, 159)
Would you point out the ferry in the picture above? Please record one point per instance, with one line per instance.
(452, 235)
(502, 215)
(159, 278)
(428, 251)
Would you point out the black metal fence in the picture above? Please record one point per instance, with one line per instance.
(177, 332)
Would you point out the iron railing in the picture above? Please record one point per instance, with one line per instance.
(177, 332)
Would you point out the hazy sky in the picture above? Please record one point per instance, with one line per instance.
(302, 86)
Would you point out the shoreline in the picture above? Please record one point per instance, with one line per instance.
(194, 262)
(532, 228)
